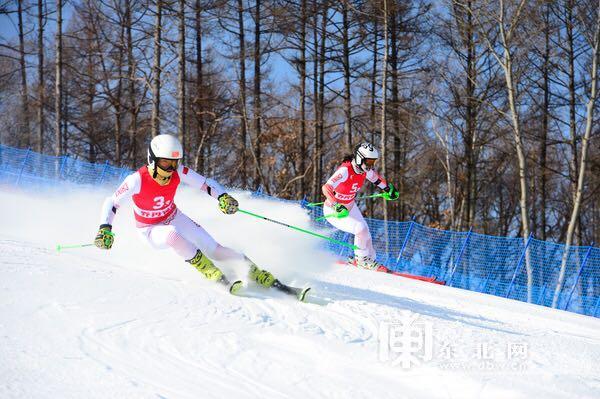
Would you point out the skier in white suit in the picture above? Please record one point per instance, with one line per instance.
(152, 188)
(341, 189)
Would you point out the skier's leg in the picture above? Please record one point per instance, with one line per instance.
(170, 235)
(162, 236)
(345, 224)
(354, 224)
(362, 235)
(205, 266)
(196, 234)
(261, 276)
(365, 255)
(219, 252)
(226, 254)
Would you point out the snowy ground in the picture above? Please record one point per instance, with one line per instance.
(134, 323)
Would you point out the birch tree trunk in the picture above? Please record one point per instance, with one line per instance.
(507, 31)
(573, 161)
(594, 42)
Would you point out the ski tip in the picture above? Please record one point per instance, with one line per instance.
(302, 295)
(236, 287)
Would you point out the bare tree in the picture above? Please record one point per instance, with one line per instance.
(257, 96)
(157, 69)
(319, 60)
(181, 105)
(243, 91)
(467, 29)
(384, 89)
(58, 82)
(506, 34)
(347, 72)
(572, 55)
(545, 122)
(25, 125)
(507, 20)
(133, 102)
(444, 139)
(302, 77)
(316, 158)
(373, 88)
(41, 80)
(594, 43)
(199, 95)
(112, 65)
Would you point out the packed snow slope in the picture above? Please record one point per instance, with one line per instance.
(136, 323)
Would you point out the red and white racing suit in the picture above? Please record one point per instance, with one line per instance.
(159, 221)
(343, 185)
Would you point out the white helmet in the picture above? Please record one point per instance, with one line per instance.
(363, 152)
(164, 146)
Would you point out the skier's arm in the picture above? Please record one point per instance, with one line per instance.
(194, 179)
(376, 179)
(227, 203)
(329, 192)
(130, 186)
(390, 192)
(340, 176)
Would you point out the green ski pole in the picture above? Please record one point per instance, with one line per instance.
(61, 247)
(299, 229)
(331, 215)
(357, 198)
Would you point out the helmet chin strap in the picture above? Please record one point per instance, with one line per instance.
(357, 169)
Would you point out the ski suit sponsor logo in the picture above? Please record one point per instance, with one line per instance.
(153, 214)
(345, 197)
(124, 187)
(337, 177)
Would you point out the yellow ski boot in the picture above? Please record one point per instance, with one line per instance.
(206, 267)
(262, 277)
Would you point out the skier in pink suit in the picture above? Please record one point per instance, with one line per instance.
(340, 191)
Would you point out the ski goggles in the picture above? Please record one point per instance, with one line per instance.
(168, 165)
(369, 162)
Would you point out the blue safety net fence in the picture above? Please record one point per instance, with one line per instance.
(500, 266)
